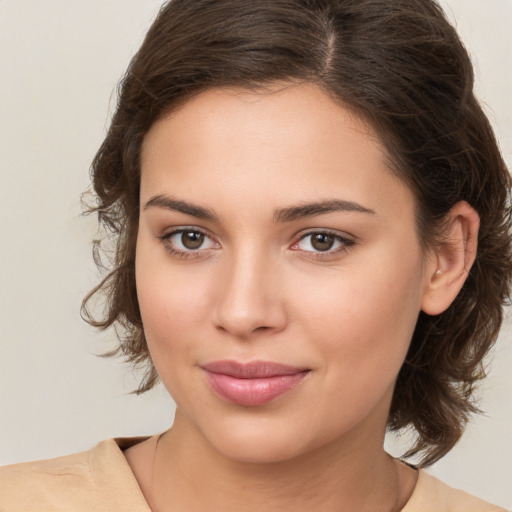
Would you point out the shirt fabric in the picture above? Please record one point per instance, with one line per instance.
(101, 480)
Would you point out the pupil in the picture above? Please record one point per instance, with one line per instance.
(322, 242)
(192, 239)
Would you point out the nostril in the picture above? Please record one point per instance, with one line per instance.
(242, 331)
(262, 328)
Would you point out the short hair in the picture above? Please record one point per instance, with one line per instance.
(399, 65)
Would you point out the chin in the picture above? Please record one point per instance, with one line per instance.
(257, 449)
(260, 440)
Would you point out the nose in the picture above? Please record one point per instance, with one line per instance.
(249, 298)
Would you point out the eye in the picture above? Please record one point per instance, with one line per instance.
(323, 242)
(187, 241)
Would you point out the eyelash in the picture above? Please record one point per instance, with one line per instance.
(346, 243)
(166, 241)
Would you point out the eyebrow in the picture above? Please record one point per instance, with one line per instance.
(170, 203)
(319, 208)
(287, 214)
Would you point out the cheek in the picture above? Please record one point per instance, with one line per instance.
(172, 305)
(171, 310)
(364, 317)
(167, 304)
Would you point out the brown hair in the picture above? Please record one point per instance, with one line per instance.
(401, 66)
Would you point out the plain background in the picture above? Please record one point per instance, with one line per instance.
(60, 61)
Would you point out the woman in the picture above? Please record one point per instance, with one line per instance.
(313, 246)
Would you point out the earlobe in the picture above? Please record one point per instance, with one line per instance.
(451, 258)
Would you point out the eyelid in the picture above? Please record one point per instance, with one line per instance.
(181, 229)
(326, 231)
(347, 241)
(165, 239)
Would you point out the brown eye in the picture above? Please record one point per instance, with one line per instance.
(322, 241)
(188, 241)
(192, 239)
(319, 242)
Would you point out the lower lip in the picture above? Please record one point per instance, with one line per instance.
(252, 392)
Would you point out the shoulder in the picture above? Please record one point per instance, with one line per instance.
(44, 483)
(97, 479)
(432, 495)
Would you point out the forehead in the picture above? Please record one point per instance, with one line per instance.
(281, 144)
(284, 108)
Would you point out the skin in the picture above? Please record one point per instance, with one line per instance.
(257, 289)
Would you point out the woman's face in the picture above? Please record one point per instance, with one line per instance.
(279, 271)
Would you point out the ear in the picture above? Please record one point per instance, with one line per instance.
(451, 259)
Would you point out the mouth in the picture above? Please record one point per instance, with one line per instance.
(254, 383)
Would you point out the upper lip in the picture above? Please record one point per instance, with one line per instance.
(251, 370)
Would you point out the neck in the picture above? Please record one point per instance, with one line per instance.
(349, 474)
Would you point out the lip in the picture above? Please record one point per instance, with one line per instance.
(254, 383)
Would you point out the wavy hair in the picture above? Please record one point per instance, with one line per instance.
(399, 65)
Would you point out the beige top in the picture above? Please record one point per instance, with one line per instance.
(101, 480)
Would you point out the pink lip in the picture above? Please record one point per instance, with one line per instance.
(254, 383)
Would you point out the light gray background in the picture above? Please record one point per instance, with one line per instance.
(59, 63)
